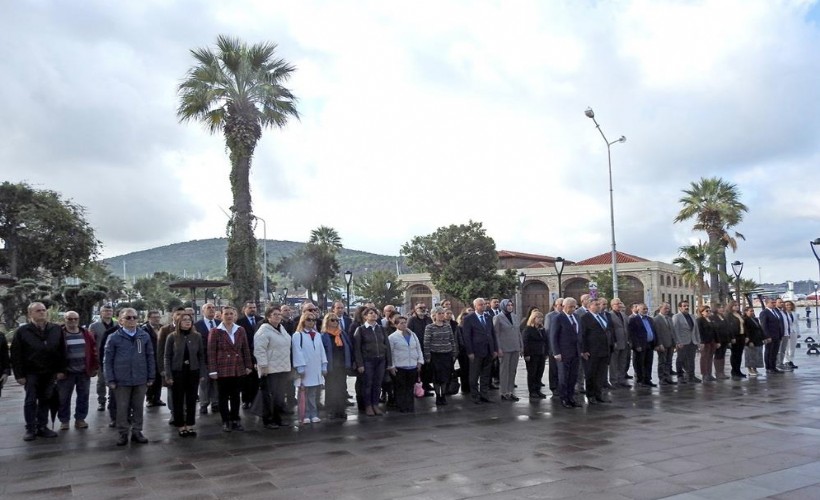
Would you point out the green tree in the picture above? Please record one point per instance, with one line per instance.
(604, 281)
(16, 298)
(99, 276)
(462, 262)
(238, 90)
(372, 287)
(696, 261)
(716, 209)
(45, 236)
(324, 244)
(81, 298)
(154, 290)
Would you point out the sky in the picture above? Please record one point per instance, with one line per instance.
(420, 115)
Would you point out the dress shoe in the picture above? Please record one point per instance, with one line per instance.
(576, 404)
(649, 384)
(542, 395)
(671, 382)
(101, 407)
(159, 402)
(791, 365)
(112, 423)
(80, 424)
(591, 401)
(493, 387)
(567, 404)
(629, 377)
(236, 426)
(603, 400)
(64, 426)
(513, 397)
(226, 427)
(673, 372)
(609, 386)
(45, 432)
(123, 439)
(535, 396)
(349, 403)
(486, 400)
(697, 380)
(30, 435)
(203, 410)
(378, 411)
(625, 385)
(246, 406)
(171, 421)
(214, 408)
(138, 437)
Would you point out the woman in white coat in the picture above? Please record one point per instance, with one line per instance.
(271, 348)
(310, 361)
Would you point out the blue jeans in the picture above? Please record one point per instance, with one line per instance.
(373, 377)
(39, 391)
(82, 383)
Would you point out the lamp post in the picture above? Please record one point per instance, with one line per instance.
(387, 286)
(264, 254)
(591, 115)
(522, 277)
(285, 295)
(737, 268)
(559, 269)
(348, 279)
(814, 244)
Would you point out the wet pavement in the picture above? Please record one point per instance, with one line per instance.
(757, 438)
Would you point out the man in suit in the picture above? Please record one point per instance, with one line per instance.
(666, 343)
(250, 322)
(579, 313)
(557, 310)
(596, 341)
(687, 336)
(642, 334)
(482, 348)
(772, 325)
(152, 327)
(207, 387)
(620, 345)
(341, 312)
(564, 342)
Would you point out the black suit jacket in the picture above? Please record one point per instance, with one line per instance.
(771, 324)
(563, 338)
(595, 339)
(638, 335)
(245, 323)
(478, 340)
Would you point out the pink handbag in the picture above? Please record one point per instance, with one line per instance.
(418, 388)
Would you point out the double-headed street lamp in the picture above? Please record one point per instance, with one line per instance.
(348, 279)
(559, 269)
(737, 268)
(591, 114)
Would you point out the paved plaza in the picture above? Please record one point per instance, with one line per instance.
(757, 438)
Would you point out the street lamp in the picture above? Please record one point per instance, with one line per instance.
(591, 114)
(348, 279)
(559, 269)
(522, 278)
(737, 268)
(264, 255)
(814, 244)
(284, 295)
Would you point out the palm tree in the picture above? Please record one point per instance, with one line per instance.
(715, 206)
(324, 244)
(695, 262)
(238, 90)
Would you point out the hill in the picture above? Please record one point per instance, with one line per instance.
(206, 259)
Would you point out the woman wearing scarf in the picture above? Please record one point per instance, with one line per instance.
(310, 361)
(271, 347)
(339, 354)
(407, 360)
(185, 363)
(509, 348)
(440, 352)
(372, 351)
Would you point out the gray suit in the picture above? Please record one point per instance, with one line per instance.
(666, 338)
(689, 338)
(620, 353)
(510, 345)
(579, 385)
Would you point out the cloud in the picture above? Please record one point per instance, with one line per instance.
(419, 115)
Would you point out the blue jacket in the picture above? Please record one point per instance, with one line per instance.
(564, 339)
(327, 341)
(129, 361)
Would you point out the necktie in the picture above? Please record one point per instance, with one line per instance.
(252, 320)
(212, 324)
(600, 321)
(574, 324)
(481, 318)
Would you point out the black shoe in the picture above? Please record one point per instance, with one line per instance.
(30, 435)
(576, 404)
(650, 384)
(591, 401)
(629, 377)
(203, 410)
(485, 400)
(246, 406)
(444, 400)
(429, 394)
(673, 372)
(697, 380)
(542, 395)
(45, 432)
(438, 401)
(112, 423)
(171, 422)
(477, 401)
(349, 403)
(609, 386)
(137, 437)
(159, 402)
(602, 400)
(271, 426)
(123, 439)
(101, 407)
(226, 427)
(214, 408)
(288, 411)
(237, 427)
(625, 385)
(513, 397)
(493, 387)
(791, 365)
(567, 404)
(671, 382)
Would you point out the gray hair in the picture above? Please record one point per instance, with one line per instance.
(569, 301)
(437, 309)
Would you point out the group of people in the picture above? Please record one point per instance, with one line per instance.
(278, 365)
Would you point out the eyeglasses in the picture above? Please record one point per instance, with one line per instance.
(129, 317)
(333, 320)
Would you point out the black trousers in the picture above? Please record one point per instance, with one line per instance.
(770, 354)
(464, 370)
(229, 389)
(185, 388)
(273, 388)
(154, 392)
(405, 379)
(567, 375)
(596, 369)
(736, 357)
(480, 368)
(250, 386)
(535, 372)
(642, 363)
(553, 374)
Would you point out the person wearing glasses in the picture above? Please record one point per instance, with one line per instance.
(271, 347)
(229, 361)
(310, 361)
(82, 363)
(129, 369)
(37, 358)
(339, 354)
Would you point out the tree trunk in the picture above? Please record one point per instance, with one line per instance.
(714, 275)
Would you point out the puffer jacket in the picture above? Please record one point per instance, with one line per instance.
(129, 361)
(36, 351)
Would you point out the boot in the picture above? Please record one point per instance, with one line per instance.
(720, 369)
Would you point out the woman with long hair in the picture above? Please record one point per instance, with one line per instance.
(737, 338)
(185, 363)
(535, 353)
(754, 342)
(271, 347)
(440, 351)
(723, 339)
(372, 352)
(310, 361)
(708, 342)
(339, 352)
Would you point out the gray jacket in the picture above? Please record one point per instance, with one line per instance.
(174, 358)
(620, 337)
(683, 334)
(665, 331)
(507, 333)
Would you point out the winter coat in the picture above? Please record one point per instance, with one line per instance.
(40, 352)
(271, 348)
(174, 358)
(226, 358)
(309, 359)
(129, 360)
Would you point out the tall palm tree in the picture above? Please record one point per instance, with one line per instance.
(695, 262)
(238, 90)
(324, 244)
(715, 206)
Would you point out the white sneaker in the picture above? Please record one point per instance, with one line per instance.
(315, 420)
(306, 421)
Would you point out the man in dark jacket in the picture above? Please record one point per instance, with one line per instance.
(38, 358)
(643, 336)
(5, 363)
(564, 343)
(596, 346)
(482, 348)
(417, 322)
(130, 367)
(152, 327)
(250, 322)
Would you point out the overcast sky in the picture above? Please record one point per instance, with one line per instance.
(416, 115)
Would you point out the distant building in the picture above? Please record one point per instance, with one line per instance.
(652, 282)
